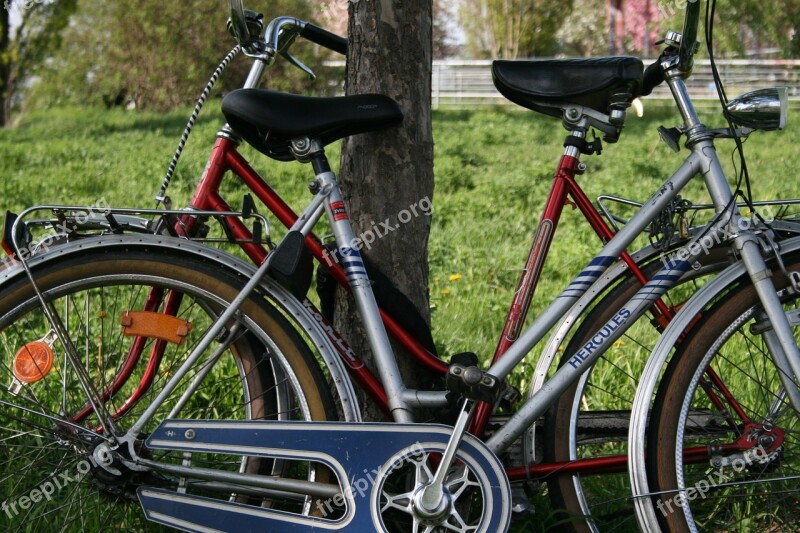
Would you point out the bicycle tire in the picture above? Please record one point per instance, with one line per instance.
(732, 491)
(266, 372)
(590, 419)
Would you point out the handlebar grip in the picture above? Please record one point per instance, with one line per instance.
(323, 37)
(653, 77)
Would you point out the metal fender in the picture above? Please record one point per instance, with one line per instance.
(645, 513)
(298, 313)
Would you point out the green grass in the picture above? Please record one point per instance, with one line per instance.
(493, 171)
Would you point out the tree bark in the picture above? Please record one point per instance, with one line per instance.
(5, 66)
(386, 176)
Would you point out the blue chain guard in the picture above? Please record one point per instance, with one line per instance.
(352, 450)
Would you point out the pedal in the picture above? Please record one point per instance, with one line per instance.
(473, 383)
(361, 455)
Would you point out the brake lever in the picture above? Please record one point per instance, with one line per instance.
(299, 64)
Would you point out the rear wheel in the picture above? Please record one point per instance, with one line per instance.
(49, 477)
(591, 419)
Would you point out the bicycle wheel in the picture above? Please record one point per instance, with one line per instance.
(724, 436)
(590, 420)
(49, 479)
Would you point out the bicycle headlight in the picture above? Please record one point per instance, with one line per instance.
(763, 109)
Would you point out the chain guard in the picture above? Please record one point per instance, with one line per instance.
(351, 450)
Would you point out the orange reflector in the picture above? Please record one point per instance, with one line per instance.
(33, 361)
(155, 325)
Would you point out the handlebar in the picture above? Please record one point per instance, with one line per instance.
(679, 52)
(280, 34)
(323, 37)
(653, 77)
(689, 40)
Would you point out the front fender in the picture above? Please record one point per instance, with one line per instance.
(645, 513)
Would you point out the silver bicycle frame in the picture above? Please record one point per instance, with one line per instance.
(702, 160)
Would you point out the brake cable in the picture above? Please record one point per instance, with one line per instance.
(743, 174)
(161, 197)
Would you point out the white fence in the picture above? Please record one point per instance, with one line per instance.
(463, 83)
(467, 83)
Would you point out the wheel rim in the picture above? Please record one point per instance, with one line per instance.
(754, 488)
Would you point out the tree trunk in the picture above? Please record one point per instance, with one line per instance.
(387, 176)
(5, 66)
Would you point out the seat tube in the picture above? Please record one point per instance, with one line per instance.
(529, 278)
(350, 258)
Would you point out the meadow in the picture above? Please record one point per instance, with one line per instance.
(493, 170)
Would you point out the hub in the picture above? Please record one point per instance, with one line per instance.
(431, 513)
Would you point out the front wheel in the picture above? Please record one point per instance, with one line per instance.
(725, 438)
(50, 479)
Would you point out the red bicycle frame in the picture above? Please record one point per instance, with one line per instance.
(565, 190)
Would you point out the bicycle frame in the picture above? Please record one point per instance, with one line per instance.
(225, 157)
(513, 346)
(509, 353)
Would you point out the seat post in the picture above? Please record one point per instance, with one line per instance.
(312, 151)
(575, 143)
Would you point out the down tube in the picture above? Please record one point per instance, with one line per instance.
(534, 407)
